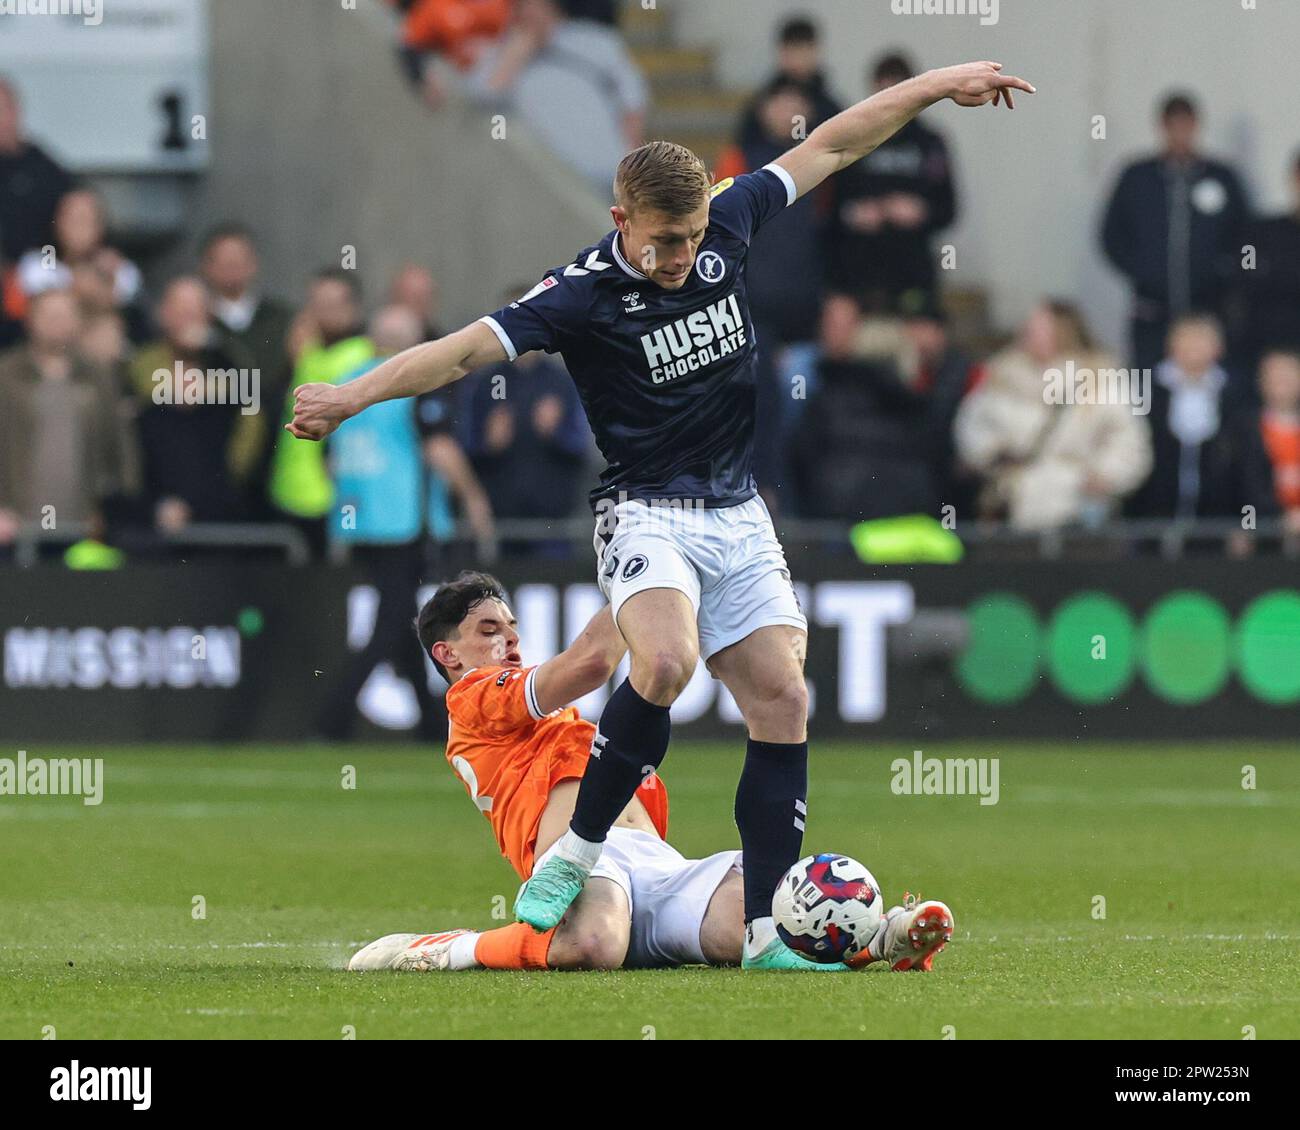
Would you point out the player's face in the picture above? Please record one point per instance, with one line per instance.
(487, 637)
(663, 246)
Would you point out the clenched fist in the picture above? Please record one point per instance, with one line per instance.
(317, 410)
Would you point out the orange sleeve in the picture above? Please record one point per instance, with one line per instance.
(446, 25)
(494, 700)
(14, 300)
(654, 796)
(731, 163)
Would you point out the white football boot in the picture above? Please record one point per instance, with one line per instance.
(411, 953)
(910, 936)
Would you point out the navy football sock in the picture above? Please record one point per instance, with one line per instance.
(631, 740)
(770, 812)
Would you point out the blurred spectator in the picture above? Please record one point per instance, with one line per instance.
(385, 507)
(415, 288)
(602, 11)
(785, 261)
(255, 326)
(456, 30)
(798, 61)
(784, 282)
(1174, 229)
(572, 81)
(1049, 461)
(328, 342)
(888, 206)
(185, 437)
(31, 182)
(61, 441)
(528, 439)
(1279, 386)
(1210, 460)
(942, 375)
(858, 452)
(104, 343)
(101, 277)
(1270, 293)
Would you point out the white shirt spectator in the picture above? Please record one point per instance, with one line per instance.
(236, 313)
(34, 277)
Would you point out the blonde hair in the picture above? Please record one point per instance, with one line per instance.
(663, 177)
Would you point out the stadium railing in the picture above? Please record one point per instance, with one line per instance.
(31, 540)
(1170, 538)
(1166, 539)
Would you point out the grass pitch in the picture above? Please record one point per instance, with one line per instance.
(100, 935)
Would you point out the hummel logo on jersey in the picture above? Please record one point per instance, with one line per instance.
(636, 304)
(598, 744)
(696, 341)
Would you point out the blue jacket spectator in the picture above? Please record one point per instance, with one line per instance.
(528, 438)
(1174, 229)
(886, 210)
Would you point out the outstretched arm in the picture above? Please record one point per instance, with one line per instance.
(320, 408)
(849, 136)
(584, 665)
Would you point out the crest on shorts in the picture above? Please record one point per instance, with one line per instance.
(636, 565)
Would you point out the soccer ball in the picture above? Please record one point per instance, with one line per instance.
(827, 907)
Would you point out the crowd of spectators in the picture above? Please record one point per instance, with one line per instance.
(871, 410)
(869, 406)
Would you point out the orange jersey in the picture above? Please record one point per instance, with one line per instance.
(1283, 444)
(510, 756)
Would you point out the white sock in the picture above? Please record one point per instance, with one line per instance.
(876, 947)
(583, 854)
(461, 954)
(759, 934)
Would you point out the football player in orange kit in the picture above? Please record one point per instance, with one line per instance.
(520, 751)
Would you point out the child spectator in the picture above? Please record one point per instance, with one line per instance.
(1210, 460)
(1279, 388)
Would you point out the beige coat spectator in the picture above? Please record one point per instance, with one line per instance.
(1046, 464)
(62, 439)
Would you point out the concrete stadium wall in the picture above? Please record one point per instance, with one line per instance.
(318, 142)
(1034, 184)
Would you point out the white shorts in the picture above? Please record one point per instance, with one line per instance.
(726, 560)
(668, 894)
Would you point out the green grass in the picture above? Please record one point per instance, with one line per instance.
(1201, 880)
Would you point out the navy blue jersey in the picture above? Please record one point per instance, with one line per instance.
(666, 376)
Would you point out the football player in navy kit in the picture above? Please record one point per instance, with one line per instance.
(653, 326)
